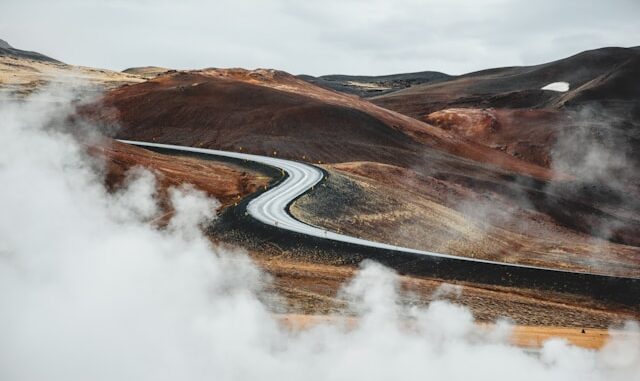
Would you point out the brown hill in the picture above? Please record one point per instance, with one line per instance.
(591, 132)
(270, 112)
(527, 134)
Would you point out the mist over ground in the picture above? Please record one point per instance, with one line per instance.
(91, 289)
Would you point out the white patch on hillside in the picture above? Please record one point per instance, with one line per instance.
(557, 86)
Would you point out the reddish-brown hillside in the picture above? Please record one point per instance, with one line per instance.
(528, 134)
(225, 182)
(272, 113)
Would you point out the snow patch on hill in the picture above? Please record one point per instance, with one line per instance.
(557, 86)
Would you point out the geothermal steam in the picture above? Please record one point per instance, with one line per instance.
(90, 290)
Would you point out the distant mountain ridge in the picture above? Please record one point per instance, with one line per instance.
(368, 86)
(7, 50)
(518, 86)
(417, 94)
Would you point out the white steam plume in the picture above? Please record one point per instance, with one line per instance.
(598, 149)
(90, 290)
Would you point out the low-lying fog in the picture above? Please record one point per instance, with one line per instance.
(91, 290)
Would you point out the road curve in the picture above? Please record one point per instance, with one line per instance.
(271, 207)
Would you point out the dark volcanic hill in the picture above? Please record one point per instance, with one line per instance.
(511, 87)
(8, 50)
(368, 86)
(506, 108)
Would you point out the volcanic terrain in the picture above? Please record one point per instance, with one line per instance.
(473, 165)
(392, 177)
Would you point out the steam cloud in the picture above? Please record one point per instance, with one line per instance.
(90, 290)
(598, 150)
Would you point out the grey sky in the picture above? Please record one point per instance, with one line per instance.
(318, 37)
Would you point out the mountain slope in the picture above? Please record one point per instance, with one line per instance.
(506, 109)
(510, 87)
(368, 86)
(8, 50)
(267, 111)
(591, 131)
(23, 73)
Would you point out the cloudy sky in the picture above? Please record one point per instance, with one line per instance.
(318, 37)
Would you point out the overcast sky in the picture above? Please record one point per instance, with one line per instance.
(318, 37)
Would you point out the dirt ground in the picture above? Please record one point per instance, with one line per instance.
(312, 289)
(521, 335)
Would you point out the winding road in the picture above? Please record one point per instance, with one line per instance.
(272, 208)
